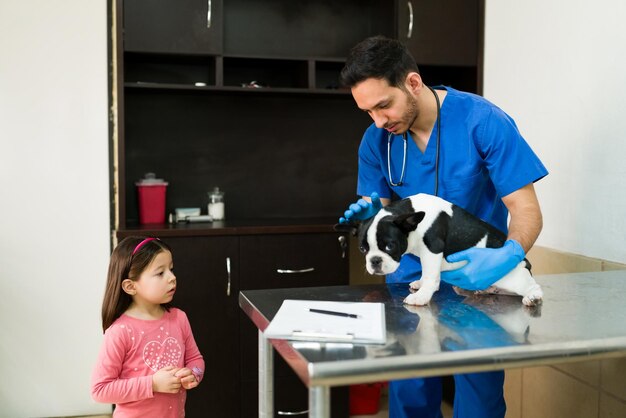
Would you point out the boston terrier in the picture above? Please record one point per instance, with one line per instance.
(433, 228)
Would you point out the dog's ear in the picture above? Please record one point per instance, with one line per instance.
(408, 221)
(347, 227)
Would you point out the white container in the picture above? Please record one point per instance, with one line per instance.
(216, 207)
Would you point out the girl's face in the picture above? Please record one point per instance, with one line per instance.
(157, 283)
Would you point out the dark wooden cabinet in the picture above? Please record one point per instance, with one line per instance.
(173, 26)
(249, 100)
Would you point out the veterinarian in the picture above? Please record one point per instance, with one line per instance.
(464, 149)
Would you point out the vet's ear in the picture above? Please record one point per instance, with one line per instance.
(408, 221)
(347, 228)
(128, 286)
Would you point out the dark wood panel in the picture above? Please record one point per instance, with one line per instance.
(174, 26)
(324, 28)
(264, 255)
(445, 32)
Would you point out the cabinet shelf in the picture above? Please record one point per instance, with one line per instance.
(234, 73)
(241, 227)
(233, 89)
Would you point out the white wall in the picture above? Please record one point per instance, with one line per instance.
(558, 68)
(54, 204)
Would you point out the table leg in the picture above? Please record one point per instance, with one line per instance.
(319, 402)
(266, 378)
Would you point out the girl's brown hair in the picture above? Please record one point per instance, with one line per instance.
(126, 265)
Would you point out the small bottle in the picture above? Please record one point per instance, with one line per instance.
(216, 204)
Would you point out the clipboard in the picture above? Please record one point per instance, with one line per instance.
(295, 321)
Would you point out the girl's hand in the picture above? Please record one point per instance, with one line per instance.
(187, 378)
(165, 380)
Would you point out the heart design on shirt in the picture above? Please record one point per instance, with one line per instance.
(158, 355)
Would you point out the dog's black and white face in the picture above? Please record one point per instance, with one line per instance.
(384, 239)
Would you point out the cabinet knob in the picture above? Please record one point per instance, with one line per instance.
(343, 244)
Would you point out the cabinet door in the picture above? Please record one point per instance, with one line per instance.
(305, 260)
(443, 32)
(202, 280)
(173, 26)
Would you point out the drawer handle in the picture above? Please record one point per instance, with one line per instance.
(208, 14)
(287, 271)
(228, 275)
(410, 31)
(306, 411)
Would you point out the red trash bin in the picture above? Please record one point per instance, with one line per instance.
(151, 199)
(365, 398)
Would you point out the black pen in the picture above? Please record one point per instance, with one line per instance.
(322, 311)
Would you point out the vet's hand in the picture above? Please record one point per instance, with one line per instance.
(165, 380)
(484, 267)
(362, 209)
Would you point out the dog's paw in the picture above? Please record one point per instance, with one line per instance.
(418, 299)
(415, 285)
(532, 300)
(534, 297)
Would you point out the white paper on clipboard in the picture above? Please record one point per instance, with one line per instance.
(295, 321)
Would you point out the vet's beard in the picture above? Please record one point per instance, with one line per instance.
(411, 115)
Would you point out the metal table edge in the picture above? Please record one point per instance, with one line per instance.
(480, 360)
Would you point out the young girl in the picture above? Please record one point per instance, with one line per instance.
(149, 358)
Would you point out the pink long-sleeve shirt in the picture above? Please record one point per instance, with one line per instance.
(132, 351)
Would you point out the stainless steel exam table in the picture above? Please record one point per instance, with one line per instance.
(583, 317)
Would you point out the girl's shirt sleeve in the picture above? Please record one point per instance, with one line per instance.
(193, 358)
(107, 385)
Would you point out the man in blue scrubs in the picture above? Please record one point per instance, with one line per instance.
(464, 149)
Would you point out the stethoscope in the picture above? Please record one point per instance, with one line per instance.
(389, 138)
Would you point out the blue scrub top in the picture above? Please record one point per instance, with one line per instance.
(482, 158)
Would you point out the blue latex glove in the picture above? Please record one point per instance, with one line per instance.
(484, 267)
(362, 209)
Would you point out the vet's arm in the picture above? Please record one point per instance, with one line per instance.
(526, 219)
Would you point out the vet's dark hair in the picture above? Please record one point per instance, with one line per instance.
(126, 265)
(378, 57)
